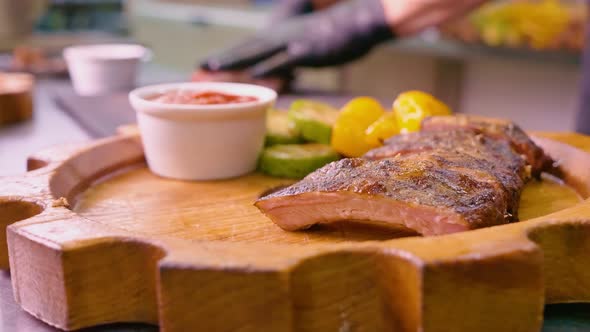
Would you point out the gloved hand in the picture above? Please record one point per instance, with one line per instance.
(339, 34)
(290, 8)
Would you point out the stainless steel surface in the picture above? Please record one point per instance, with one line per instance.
(49, 126)
(14, 319)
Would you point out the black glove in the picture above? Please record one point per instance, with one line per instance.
(339, 34)
(289, 8)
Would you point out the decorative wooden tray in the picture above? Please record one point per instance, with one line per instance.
(100, 239)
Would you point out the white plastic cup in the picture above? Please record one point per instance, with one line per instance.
(105, 68)
(202, 142)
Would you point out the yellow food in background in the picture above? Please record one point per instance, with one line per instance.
(382, 129)
(411, 107)
(348, 134)
(539, 23)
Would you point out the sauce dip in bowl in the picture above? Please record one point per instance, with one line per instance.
(202, 131)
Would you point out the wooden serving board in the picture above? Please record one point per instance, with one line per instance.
(99, 239)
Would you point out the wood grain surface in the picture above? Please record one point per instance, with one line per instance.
(99, 239)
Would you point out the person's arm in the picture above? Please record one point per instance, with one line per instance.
(341, 33)
(338, 34)
(286, 9)
(410, 17)
(283, 10)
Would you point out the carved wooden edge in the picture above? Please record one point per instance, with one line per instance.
(494, 279)
(49, 277)
(43, 186)
(22, 197)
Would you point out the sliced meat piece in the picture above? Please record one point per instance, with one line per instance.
(495, 157)
(499, 152)
(412, 191)
(497, 128)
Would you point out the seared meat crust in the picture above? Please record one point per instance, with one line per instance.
(499, 129)
(495, 157)
(417, 180)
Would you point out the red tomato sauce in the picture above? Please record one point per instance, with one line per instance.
(200, 98)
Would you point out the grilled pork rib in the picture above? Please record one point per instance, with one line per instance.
(432, 182)
(496, 128)
(491, 155)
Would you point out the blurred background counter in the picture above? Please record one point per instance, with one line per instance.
(478, 64)
(537, 88)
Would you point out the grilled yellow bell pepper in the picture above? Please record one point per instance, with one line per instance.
(348, 133)
(382, 129)
(411, 107)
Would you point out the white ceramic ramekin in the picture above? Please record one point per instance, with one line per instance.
(202, 142)
(105, 68)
